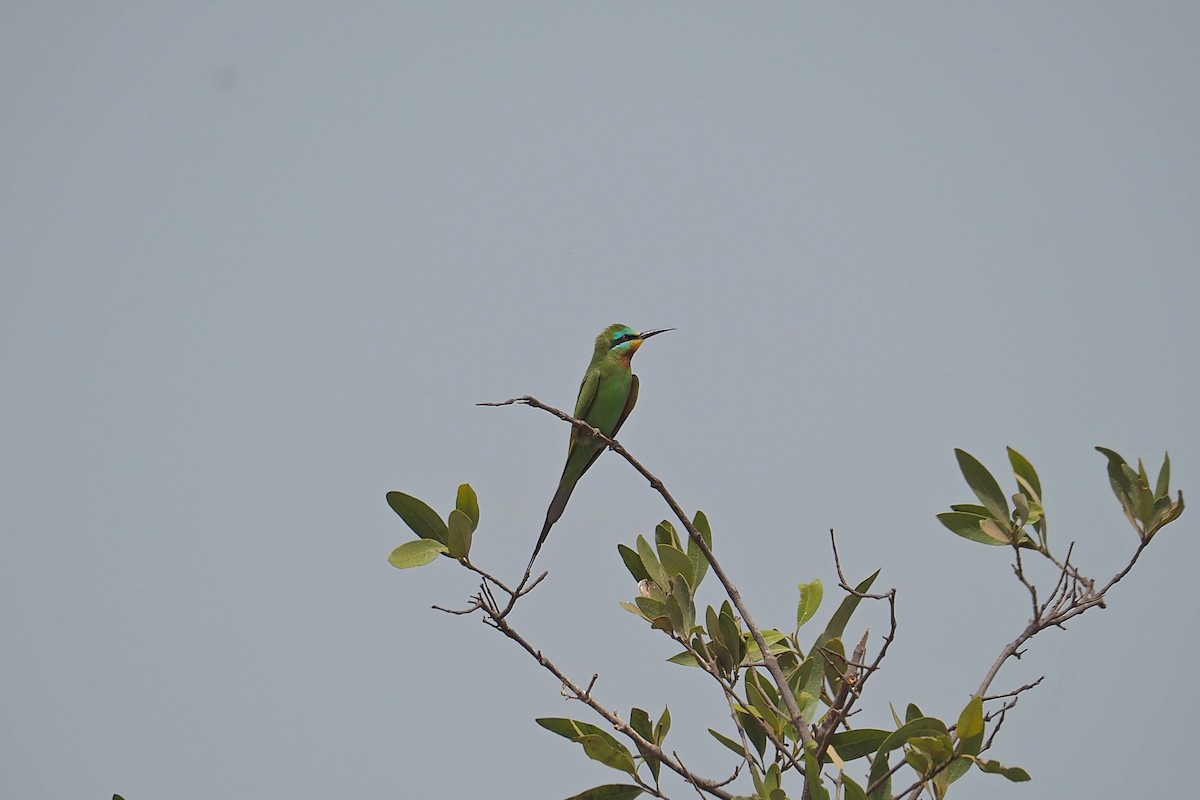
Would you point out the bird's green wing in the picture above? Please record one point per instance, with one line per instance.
(630, 402)
(576, 434)
(587, 394)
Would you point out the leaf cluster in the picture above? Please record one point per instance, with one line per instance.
(1148, 510)
(821, 677)
(450, 537)
(791, 697)
(990, 521)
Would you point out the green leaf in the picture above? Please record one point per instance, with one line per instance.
(912, 712)
(879, 768)
(676, 563)
(684, 659)
(730, 743)
(1167, 516)
(970, 727)
(1015, 774)
(651, 608)
(859, 742)
(701, 645)
(1122, 486)
(663, 726)
(699, 562)
(1026, 475)
(772, 779)
(416, 553)
(919, 761)
(600, 745)
(633, 562)
(851, 790)
(982, 484)
(941, 782)
(754, 730)
(837, 623)
(810, 600)
(776, 643)
(939, 748)
(458, 534)
(724, 658)
(757, 698)
(609, 791)
(809, 694)
(730, 633)
(1020, 508)
(682, 594)
(1163, 487)
(675, 615)
(639, 720)
(468, 503)
(423, 520)
(968, 526)
(958, 767)
(805, 681)
(568, 728)
(995, 530)
(835, 663)
(1143, 498)
(924, 726)
(664, 533)
(812, 778)
(632, 608)
(609, 752)
(712, 623)
(650, 563)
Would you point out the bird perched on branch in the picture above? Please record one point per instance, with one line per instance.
(606, 396)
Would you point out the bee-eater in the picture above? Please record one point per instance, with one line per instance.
(606, 396)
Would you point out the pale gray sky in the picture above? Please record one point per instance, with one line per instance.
(259, 264)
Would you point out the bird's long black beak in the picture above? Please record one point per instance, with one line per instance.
(648, 334)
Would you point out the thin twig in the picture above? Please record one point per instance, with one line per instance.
(1019, 570)
(999, 716)
(1014, 692)
(1083, 595)
(888, 638)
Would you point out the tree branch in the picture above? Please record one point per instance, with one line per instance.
(497, 621)
(797, 719)
(1075, 593)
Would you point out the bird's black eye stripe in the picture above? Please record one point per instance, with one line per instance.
(623, 338)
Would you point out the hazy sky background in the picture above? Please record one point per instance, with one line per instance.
(259, 264)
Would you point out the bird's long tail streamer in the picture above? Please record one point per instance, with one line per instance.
(557, 505)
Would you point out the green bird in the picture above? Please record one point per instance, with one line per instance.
(606, 396)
